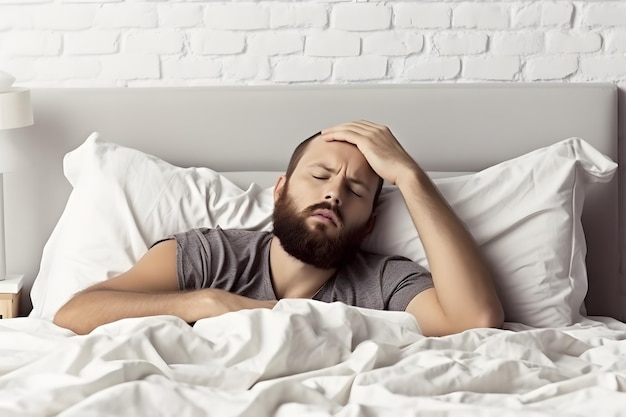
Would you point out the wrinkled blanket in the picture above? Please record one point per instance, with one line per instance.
(307, 358)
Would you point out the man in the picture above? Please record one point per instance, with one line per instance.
(324, 208)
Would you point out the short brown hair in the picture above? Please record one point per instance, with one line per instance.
(297, 155)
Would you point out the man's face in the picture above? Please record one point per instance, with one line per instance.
(324, 211)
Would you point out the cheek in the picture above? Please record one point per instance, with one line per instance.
(359, 212)
(296, 203)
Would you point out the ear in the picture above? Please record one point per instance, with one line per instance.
(279, 187)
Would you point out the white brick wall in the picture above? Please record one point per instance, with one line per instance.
(482, 16)
(237, 16)
(551, 68)
(455, 43)
(333, 43)
(433, 69)
(195, 42)
(422, 16)
(361, 16)
(91, 42)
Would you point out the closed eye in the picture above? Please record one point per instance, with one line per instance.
(356, 193)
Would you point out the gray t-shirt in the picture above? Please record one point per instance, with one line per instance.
(238, 261)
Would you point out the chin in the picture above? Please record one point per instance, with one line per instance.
(324, 229)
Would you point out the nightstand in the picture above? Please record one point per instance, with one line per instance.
(10, 290)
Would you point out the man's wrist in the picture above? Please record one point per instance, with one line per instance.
(413, 178)
(211, 302)
(192, 306)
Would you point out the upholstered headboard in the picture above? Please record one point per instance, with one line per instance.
(446, 127)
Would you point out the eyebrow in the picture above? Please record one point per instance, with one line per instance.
(352, 180)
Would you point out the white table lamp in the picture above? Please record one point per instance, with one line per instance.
(15, 111)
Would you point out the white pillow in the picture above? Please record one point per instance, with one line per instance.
(525, 213)
(123, 201)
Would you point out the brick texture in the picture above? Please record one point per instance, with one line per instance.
(196, 42)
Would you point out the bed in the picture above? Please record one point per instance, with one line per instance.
(530, 168)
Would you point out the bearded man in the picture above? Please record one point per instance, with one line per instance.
(324, 208)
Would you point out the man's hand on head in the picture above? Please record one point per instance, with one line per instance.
(380, 147)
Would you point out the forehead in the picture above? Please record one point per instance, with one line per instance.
(336, 155)
(320, 148)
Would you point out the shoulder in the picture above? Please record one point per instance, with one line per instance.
(202, 236)
(246, 237)
(382, 270)
(385, 264)
(228, 234)
(383, 282)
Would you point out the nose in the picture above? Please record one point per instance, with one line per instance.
(333, 199)
(333, 193)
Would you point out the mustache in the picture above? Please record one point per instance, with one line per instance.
(324, 205)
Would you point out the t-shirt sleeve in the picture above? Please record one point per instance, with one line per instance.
(402, 280)
(193, 260)
(233, 260)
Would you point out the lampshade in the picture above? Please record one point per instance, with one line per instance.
(15, 108)
(15, 111)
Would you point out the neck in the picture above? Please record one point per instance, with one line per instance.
(292, 278)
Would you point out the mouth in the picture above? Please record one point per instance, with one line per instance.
(326, 216)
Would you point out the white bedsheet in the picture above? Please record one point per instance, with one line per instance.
(307, 358)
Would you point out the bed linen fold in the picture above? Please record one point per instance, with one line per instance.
(309, 358)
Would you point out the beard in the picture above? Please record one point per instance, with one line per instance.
(311, 245)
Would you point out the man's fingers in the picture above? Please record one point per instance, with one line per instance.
(353, 132)
(361, 126)
(351, 135)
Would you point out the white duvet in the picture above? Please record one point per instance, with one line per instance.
(307, 358)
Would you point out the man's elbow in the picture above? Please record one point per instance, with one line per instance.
(490, 317)
(65, 318)
(61, 319)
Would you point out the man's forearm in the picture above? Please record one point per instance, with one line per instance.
(92, 308)
(462, 279)
(89, 309)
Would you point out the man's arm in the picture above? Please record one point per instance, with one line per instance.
(149, 288)
(463, 296)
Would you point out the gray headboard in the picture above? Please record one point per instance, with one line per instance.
(446, 127)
